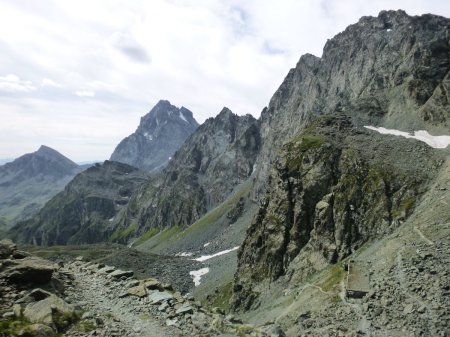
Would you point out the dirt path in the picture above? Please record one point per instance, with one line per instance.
(424, 238)
(121, 316)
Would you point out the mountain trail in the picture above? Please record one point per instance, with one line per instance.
(120, 316)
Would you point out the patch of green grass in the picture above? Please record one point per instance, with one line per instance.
(162, 237)
(123, 233)
(221, 299)
(85, 326)
(218, 212)
(144, 317)
(147, 235)
(335, 275)
(405, 206)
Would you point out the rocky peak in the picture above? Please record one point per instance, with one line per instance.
(217, 157)
(159, 134)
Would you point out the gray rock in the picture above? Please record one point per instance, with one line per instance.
(185, 309)
(157, 297)
(117, 274)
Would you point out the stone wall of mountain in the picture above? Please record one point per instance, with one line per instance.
(159, 134)
(336, 186)
(86, 211)
(31, 180)
(218, 156)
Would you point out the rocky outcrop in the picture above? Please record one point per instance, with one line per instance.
(31, 180)
(24, 309)
(158, 136)
(87, 210)
(218, 156)
(331, 189)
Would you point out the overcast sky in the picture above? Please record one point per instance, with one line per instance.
(77, 75)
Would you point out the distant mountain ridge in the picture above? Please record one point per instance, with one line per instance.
(29, 181)
(159, 134)
(85, 211)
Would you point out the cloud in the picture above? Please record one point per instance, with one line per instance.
(130, 48)
(85, 93)
(13, 83)
(122, 56)
(46, 82)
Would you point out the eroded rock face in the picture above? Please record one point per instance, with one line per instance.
(160, 134)
(331, 189)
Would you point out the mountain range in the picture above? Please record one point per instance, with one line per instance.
(306, 191)
(29, 181)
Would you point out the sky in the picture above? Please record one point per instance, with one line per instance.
(77, 75)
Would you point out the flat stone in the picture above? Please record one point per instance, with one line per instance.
(159, 296)
(138, 291)
(121, 273)
(106, 270)
(185, 309)
(152, 283)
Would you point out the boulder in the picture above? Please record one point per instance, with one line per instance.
(7, 247)
(138, 291)
(185, 309)
(152, 284)
(51, 311)
(29, 270)
(159, 296)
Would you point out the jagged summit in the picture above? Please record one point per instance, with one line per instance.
(159, 134)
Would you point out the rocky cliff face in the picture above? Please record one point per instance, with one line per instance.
(32, 179)
(159, 134)
(86, 211)
(331, 189)
(219, 155)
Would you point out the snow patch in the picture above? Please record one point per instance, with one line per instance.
(183, 117)
(112, 219)
(197, 275)
(207, 244)
(207, 257)
(184, 254)
(437, 142)
(388, 30)
(148, 136)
